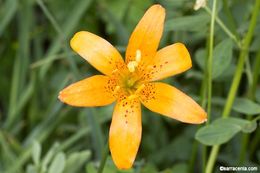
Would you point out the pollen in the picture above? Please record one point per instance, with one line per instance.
(133, 64)
(138, 56)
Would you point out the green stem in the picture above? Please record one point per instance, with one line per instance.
(209, 75)
(193, 155)
(236, 80)
(212, 158)
(204, 158)
(104, 159)
(209, 65)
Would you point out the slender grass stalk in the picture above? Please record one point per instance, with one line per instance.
(61, 36)
(10, 8)
(50, 17)
(193, 155)
(68, 27)
(50, 59)
(104, 158)
(21, 63)
(236, 80)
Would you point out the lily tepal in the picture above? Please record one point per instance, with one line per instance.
(132, 82)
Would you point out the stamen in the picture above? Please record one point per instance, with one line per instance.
(114, 71)
(133, 96)
(140, 88)
(138, 56)
(132, 65)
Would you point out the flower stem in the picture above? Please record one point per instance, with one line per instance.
(236, 80)
(210, 58)
(104, 159)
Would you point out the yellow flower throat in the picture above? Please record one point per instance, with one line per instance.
(130, 82)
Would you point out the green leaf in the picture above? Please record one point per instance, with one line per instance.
(244, 125)
(58, 163)
(90, 168)
(31, 169)
(222, 57)
(47, 158)
(76, 160)
(223, 129)
(188, 23)
(180, 168)
(246, 106)
(200, 57)
(36, 152)
(216, 134)
(149, 168)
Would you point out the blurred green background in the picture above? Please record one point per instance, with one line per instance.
(40, 134)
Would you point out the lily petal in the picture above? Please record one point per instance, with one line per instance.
(94, 91)
(169, 101)
(147, 34)
(125, 132)
(98, 52)
(171, 60)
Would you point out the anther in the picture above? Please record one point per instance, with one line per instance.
(138, 56)
(132, 65)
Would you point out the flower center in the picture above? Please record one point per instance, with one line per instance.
(130, 82)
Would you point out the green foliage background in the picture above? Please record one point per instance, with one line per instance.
(40, 134)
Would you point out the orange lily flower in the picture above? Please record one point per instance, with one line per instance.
(131, 82)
